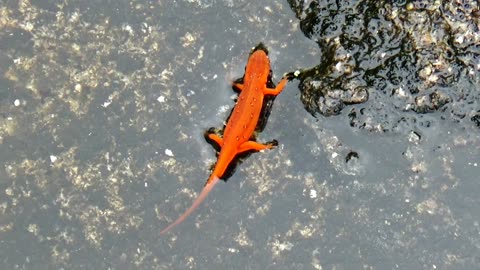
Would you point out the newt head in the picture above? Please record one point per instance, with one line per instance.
(261, 47)
(258, 64)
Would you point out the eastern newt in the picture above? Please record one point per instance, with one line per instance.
(241, 125)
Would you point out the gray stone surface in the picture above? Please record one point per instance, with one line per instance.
(104, 105)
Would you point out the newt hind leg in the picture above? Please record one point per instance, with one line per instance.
(213, 138)
(255, 146)
(217, 139)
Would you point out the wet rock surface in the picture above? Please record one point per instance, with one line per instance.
(409, 68)
(420, 56)
(104, 105)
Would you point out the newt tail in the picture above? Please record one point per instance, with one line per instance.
(203, 195)
(238, 135)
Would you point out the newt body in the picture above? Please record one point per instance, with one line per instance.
(238, 135)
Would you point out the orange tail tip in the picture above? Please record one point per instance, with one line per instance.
(203, 195)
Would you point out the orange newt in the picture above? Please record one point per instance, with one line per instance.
(241, 125)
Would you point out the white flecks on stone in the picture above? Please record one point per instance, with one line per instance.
(166, 74)
(313, 194)
(459, 39)
(190, 93)
(75, 47)
(53, 158)
(433, 78)
(188, 39)
(233, 250)
(161, 99)
(288, 162)
(146, 28)
(168, 152)
(425, 72)
(78, 87)
(106, 103)
(223, 109)
(339, 66)
(128, 29)
(74, 17)
(28, 26)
